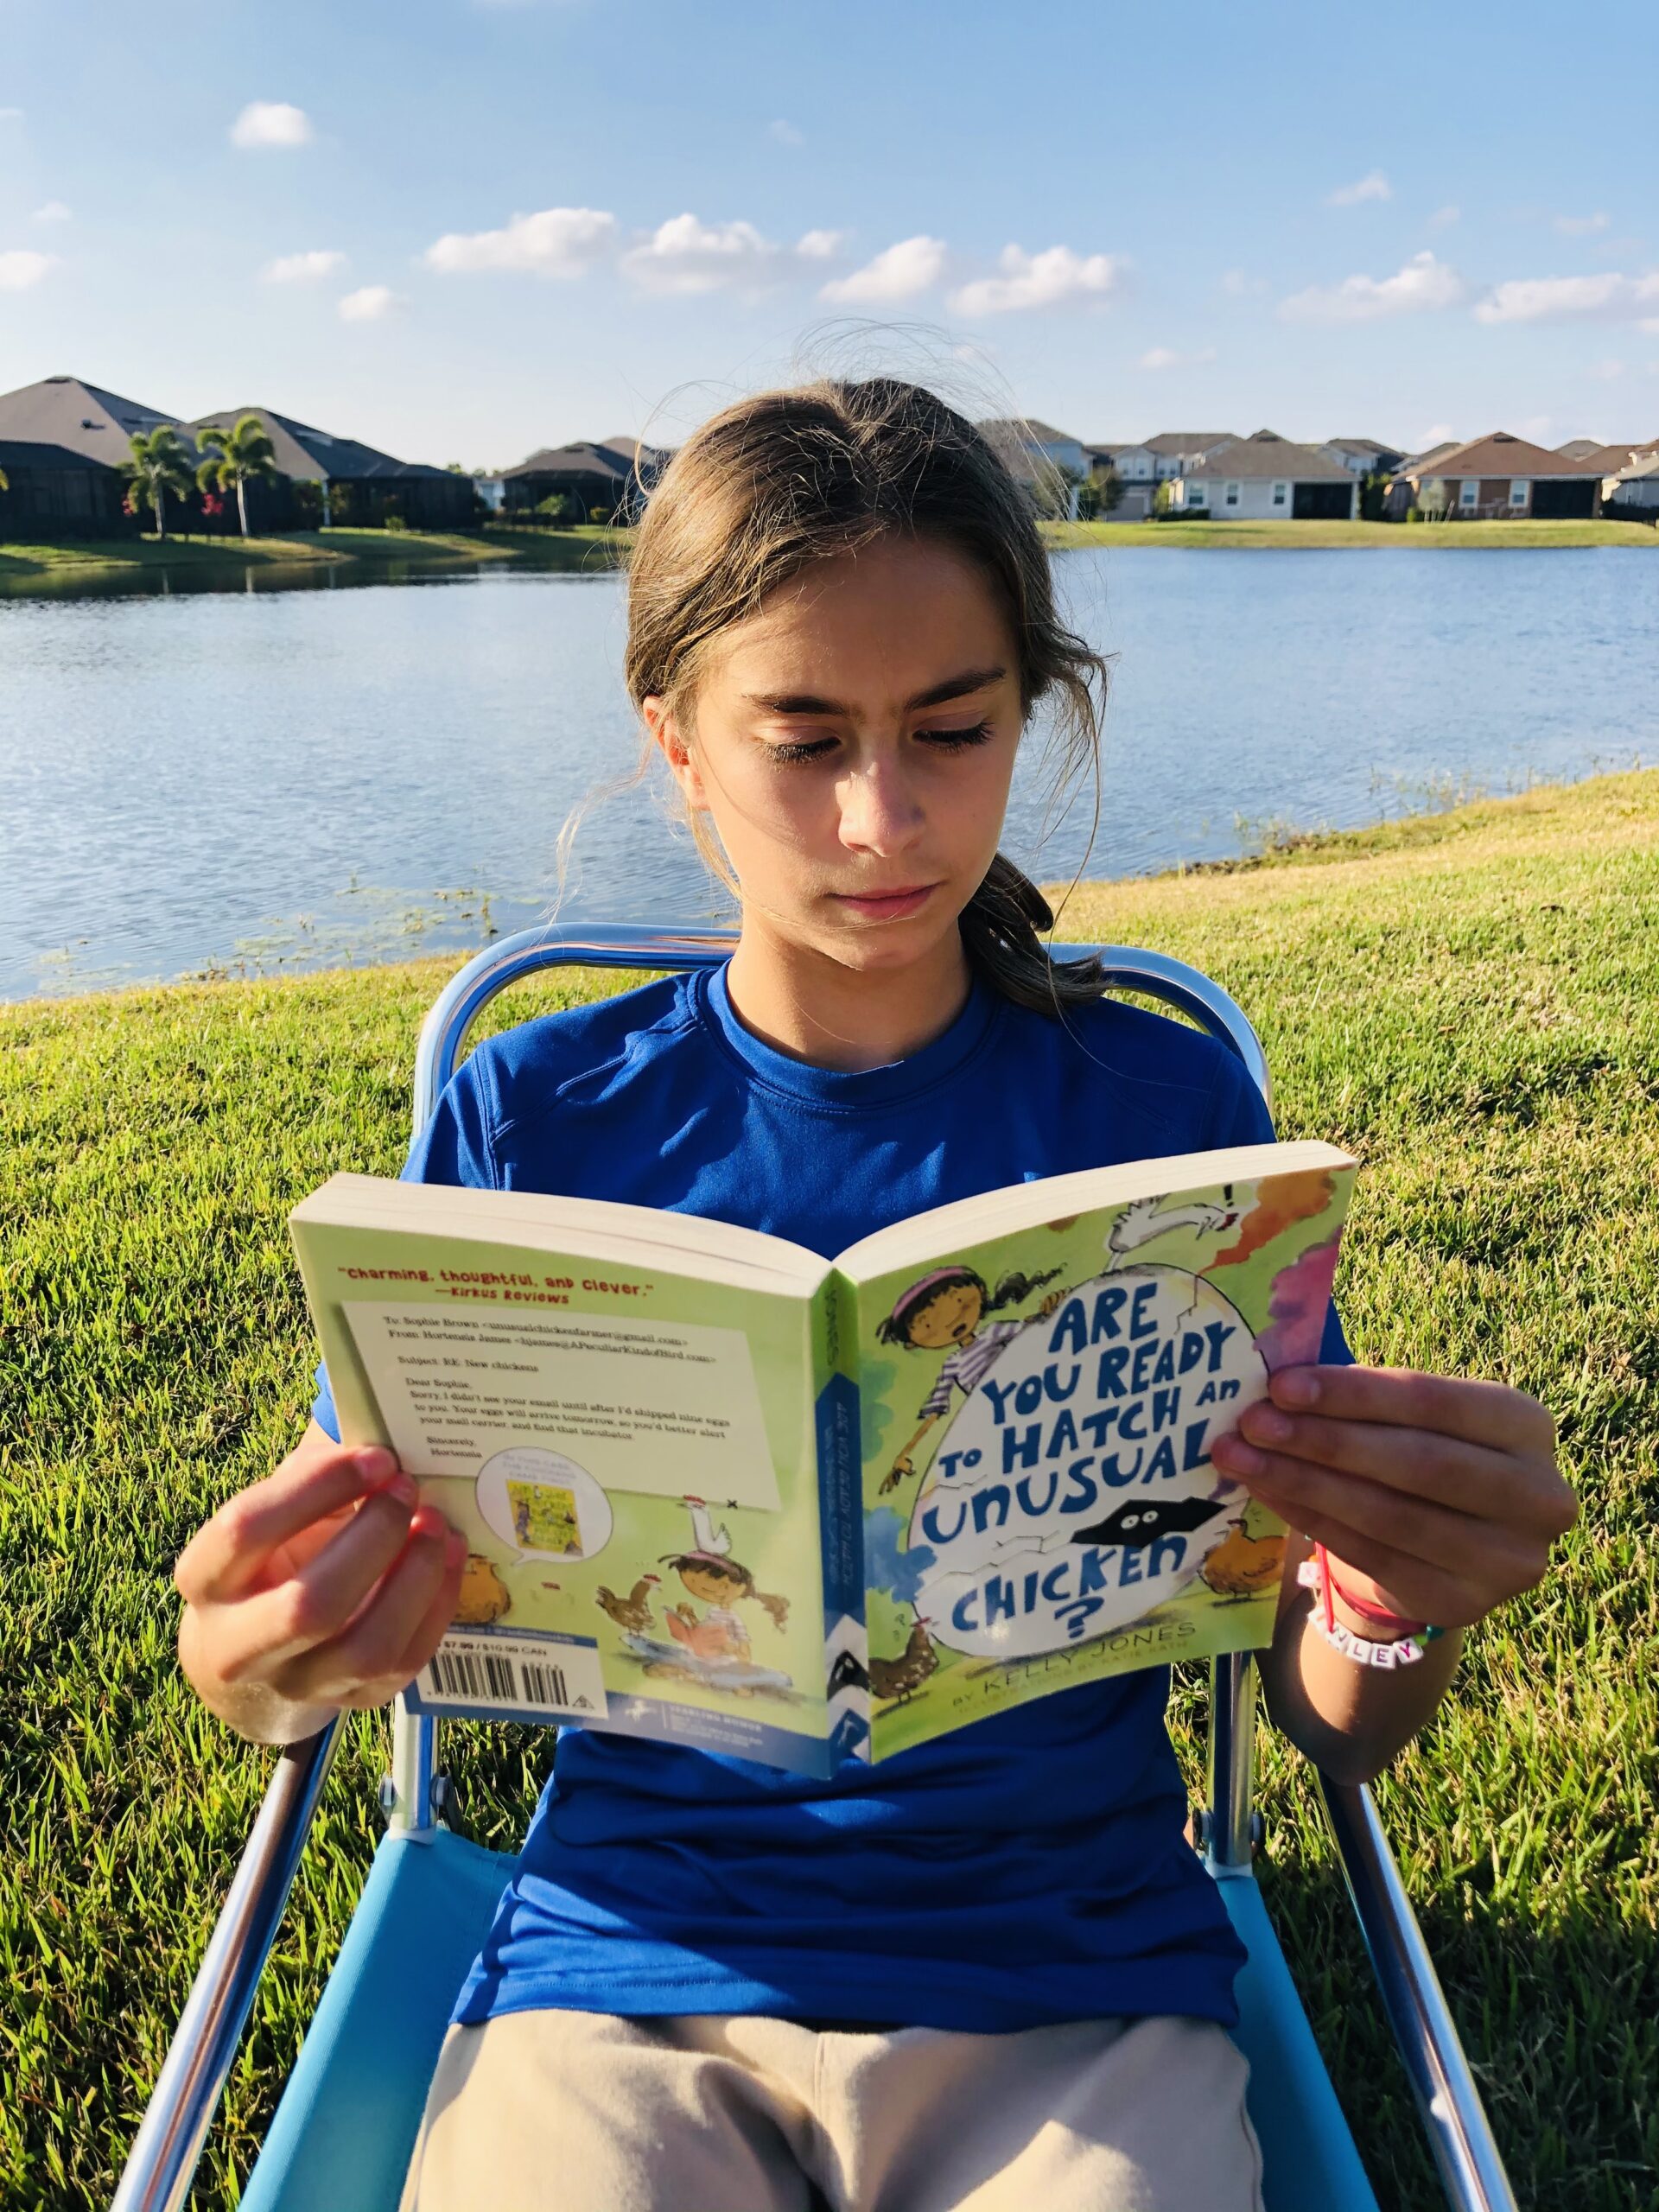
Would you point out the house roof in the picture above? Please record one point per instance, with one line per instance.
(1174, 442)
(1576, 448)
(302, 452)
(1499, 453)
(81, 417)
(1607, 461)
(585, 457)
(1266, 453)
(1032, 432)
(1362, 445)
(1642, 465)
(34, 453)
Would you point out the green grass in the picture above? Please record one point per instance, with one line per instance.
(1285, 536)
(1472, 1003)
(581, 546)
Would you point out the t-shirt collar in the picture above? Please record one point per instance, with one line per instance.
(943, 1057)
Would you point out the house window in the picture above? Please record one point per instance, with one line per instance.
(1230, 496)
(1198, 493)
(1520, 490)
(1279, 491)
(1469, 492)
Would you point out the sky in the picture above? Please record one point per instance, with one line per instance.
(463, 229)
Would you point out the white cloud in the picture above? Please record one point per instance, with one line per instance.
(372, 303)
(1372, 186)
(557, 242)
(785, 134)
(302, 268)
(1437, 434)
(20, 268)
(1039, 280)
(820, 246)
(1443, 217)
(1649, 326)
(1165, 357)
(1423, 283)
(11, 115)
(898, 272)
(1579, 226)
(53, 212)
(685, 255)
(1537, 428)
(1238, 284)
(1606, 371)
(271, 122)
(1609, 297)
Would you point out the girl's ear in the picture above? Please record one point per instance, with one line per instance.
(665, 734)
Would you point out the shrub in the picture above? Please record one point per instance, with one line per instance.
(395, 521)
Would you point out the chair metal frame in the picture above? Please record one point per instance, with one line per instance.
(162, 2164)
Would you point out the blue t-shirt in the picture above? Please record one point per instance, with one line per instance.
(1028, 1868)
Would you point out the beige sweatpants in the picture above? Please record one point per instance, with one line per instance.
(584, 2111)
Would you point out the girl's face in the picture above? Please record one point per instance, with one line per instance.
(948, 1318)
(713, 1587)
(853, 743)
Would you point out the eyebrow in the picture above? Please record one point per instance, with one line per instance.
(937, 694)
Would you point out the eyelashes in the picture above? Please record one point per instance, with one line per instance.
(937, 740)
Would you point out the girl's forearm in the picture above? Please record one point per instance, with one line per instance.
(1350, 1719)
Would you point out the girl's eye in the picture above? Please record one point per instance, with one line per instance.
(954, 741)
(803, 749)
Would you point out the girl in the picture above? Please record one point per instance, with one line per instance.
(948, 1307)
(991, 1973)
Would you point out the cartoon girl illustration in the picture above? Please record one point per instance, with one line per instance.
(949, 1307)
(717, 1640)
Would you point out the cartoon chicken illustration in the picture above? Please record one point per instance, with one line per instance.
(633, 1611)
(1242, 1565)
(484, 1596)
(899, 1679)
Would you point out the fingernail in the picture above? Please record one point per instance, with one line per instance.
(427, 1522)
(376, 1465)
(404, 1488)
(1297, 1386)
(1269, 1425)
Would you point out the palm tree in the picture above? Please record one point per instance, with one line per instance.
(159, 465)
(231, 457)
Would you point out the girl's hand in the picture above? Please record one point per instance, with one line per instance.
(325, 1585)
(1438, 1498)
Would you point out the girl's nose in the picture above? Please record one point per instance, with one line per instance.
(878, 813)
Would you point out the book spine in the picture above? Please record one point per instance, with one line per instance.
(846, 1642)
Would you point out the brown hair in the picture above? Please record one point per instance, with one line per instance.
(788, 478)
(729, 1570)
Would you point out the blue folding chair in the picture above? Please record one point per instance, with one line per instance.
(342, 2135)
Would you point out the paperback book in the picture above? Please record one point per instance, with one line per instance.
(719, 1490)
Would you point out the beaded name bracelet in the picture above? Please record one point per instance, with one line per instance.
(1314, 1574)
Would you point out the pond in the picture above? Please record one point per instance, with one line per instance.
(240, 780)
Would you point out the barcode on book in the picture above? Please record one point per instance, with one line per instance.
(554, 1675)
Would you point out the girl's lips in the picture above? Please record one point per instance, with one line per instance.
(889, 905)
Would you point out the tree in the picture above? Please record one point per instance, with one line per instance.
(158, 465)
(231, 457)
(1110, 486)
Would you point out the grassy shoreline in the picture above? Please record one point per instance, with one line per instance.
(1292, 537)
(587, 545)
(592, 545)
(1470, 1000)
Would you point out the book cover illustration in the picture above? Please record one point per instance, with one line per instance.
(1040, 1502)
(650, 1564)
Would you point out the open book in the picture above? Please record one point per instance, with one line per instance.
(721, 1492)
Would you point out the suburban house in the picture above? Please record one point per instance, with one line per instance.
(1141, 467)
(54, 493)
(356, 484)
(1051, 464)
(611, 473)
(1632, 491)
(1362, 456)
(78, 417)
(1265, 478)
(1577, 449)
(1501, 475)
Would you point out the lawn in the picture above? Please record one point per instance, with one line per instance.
(1288, 537)
(1470, 1002)
(578, 547)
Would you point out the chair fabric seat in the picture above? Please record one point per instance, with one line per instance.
(343, 2132)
